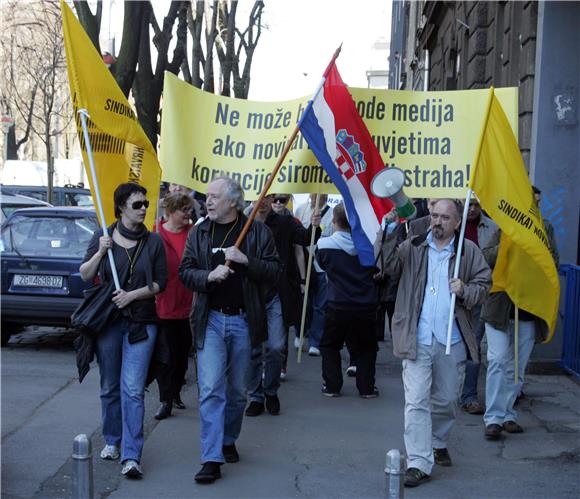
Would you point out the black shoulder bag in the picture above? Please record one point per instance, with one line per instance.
(97, 309)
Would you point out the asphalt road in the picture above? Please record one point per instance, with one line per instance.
(317, 447)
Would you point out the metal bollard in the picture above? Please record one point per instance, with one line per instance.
(82, 480)
(394, 474)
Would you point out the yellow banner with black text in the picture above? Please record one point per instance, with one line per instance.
(431, 136)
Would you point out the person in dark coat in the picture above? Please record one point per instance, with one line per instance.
(283, 308)
(229, 315)
(351, 309)
(125, 347)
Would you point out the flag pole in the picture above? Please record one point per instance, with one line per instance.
(464, 221)
(84, 113)
(289, 143)
(456, 271)
(516, 345)
(315, 210)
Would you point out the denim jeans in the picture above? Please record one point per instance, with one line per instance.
(222, 367)
(501, 390)
(273, 359)
(432, 382)
(469, 392)
(316, 327)
(123, 368)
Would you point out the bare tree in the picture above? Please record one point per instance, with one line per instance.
(36, 74)
(234, 47)
(211, 25)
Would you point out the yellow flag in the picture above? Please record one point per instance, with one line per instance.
(525, 269)
(121, 150)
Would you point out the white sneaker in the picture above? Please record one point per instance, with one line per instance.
(351, 371)
(110, 452)
(297, 343)
(283, 374)
(131, 469)
(314, 352)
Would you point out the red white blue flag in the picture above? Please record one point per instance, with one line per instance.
(342, 143)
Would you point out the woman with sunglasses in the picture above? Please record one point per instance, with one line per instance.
(174, 304)
(124, 348)
(280, 204)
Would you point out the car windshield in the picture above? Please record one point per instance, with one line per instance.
(48, 236)
(78, 199)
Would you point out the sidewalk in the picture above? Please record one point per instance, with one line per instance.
(335, 448)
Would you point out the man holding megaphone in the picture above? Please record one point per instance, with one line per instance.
(432, 380)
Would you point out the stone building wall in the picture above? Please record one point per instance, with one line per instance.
(478, 44)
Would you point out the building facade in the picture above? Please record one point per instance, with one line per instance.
(534, 46)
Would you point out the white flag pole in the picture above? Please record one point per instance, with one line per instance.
(84, 113)
(456, 272)
(315, 209)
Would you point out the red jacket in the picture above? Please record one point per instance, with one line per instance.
(175, 301)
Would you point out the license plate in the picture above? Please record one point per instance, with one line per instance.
(37, 281)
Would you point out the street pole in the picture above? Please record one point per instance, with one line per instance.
(82, 480)
(394, 474)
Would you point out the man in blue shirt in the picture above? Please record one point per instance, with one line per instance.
(432, 379)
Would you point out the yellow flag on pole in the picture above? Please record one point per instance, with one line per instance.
(122, 151)
(525, 269)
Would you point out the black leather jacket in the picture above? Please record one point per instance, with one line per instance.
(264, 268)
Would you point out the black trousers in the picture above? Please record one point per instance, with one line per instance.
(177, 340)
(358, 329)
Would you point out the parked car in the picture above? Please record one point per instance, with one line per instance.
(41, 251)
(11, 202)
(61, 196)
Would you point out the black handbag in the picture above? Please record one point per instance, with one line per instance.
(96, 310)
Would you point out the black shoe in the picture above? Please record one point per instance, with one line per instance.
(209, 472)
(442, 457)
(164, 410)
(414, 477)
(255, 409)
(177, 402)
(230, 453)
(327, 393)
(493, 431)
(273, 404)
(373, 395)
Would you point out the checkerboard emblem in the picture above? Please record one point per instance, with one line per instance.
(349, 158)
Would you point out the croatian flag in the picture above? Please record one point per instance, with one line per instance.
(342, 143)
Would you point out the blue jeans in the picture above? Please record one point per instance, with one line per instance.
(222, 367)
(316, 327)
(501, 390)
(123, 368)
(273, 359)
(469, 392)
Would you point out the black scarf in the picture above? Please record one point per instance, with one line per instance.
(134, 235)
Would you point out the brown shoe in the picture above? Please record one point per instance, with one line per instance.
(474, 408)
(493, 431)
(512, 427)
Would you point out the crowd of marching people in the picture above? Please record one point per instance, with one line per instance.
(206, 283)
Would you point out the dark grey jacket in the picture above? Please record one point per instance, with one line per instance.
(263, 270)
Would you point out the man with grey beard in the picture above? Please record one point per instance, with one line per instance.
(432, 380)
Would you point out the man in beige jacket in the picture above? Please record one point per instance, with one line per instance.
(431, 378)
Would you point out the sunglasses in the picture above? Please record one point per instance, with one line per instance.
(137, 205)
(282, 200)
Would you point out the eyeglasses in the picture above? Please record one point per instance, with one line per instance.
(137, 205)
(282, 200)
